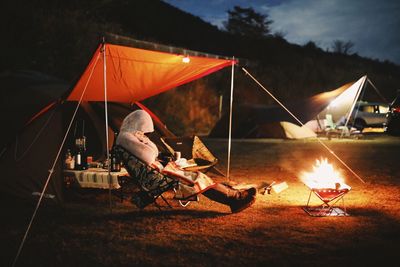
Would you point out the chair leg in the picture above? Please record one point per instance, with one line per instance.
(184, 203)
(163, 198)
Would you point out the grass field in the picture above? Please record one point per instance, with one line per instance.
(275, 231)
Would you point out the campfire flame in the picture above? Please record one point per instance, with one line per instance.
(323, 176)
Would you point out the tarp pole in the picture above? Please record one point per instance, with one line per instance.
(353, 105)
(230, 120)
(106, 120)
(52, 167)
(302, 124)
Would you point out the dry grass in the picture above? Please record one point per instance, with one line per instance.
(275, 231)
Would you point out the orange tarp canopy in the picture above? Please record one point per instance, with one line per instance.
(134, 74)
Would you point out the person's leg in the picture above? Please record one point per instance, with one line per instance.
(237, 200)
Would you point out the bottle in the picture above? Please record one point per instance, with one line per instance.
(80, 146)
(84, 153)
(80, 155)
(78, 160)
(115, 162)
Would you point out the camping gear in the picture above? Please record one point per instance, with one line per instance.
(151, 183)
(329, 197)
(94, 178)
(274, 121)
(277, 188)
(133, 75)
(331, 129)
(329, 186)
(25, 168)
(261, 121)
(195, 151)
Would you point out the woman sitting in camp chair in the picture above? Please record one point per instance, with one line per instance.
(132, 137)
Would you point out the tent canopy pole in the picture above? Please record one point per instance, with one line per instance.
(104, 50)
(360, 88)
(230, 120)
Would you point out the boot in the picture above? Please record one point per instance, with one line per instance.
(246, 199)
(237, 200)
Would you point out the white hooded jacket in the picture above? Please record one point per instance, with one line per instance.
(132, 136)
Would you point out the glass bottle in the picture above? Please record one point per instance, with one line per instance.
(115, 162)
(84, 153)
(78, 160)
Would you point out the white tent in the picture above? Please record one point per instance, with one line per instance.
(342, 106)
(293, 131)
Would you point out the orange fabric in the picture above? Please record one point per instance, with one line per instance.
(135, 74)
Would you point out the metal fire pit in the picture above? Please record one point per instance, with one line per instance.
(329, 197)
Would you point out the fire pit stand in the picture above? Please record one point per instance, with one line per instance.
(329, 197)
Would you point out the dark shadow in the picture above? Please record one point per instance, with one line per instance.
(367, 212)
(375, 213)
(163, 214)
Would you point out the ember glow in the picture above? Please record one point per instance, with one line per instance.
(323, 176)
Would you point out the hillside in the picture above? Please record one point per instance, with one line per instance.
(58, 37)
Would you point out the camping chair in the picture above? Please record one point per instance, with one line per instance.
(193, 149)
(332, 129)
(150, 182)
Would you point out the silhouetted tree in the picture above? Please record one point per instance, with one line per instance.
(342, 47)
(312, 46)
(279, 35)
(247, 22)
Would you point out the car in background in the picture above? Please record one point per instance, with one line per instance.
(369, 114)
(393, 116)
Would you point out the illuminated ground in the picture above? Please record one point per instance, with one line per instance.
(273, 232)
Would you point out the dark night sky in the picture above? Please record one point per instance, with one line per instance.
(372, 25)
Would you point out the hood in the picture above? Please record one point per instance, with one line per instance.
(138, 120)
